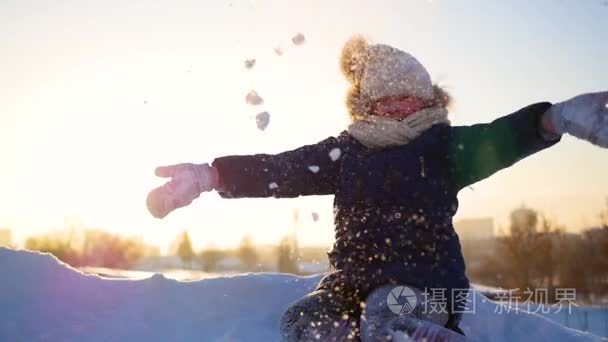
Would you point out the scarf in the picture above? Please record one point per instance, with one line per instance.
(375, 131)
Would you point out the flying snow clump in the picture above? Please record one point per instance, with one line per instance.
(250, 63)
(262, 119)
(314, 168)
(298, 39)
(335, 154)
(254, 99)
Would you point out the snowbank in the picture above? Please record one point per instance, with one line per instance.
(44, 299)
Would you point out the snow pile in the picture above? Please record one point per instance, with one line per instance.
(44, 299)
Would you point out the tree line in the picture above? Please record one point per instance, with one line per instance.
(92, 248)
(537, 253)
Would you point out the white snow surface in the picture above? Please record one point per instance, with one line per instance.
(43, 299)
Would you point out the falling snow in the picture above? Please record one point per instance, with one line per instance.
(314, 168)
(335, 154)
(262, 119)
(273, 186)
(254, 99)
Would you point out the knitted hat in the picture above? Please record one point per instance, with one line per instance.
(379, 71)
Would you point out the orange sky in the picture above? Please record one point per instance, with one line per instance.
(95, 95)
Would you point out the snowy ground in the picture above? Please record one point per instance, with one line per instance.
(42, 299)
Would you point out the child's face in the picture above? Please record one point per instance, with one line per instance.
(398, 108)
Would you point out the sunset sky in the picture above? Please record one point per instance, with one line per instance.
(95, 94)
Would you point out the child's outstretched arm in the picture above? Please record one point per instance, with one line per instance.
(478, 151)
(308, 170)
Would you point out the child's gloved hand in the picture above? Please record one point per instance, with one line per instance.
(186, 184)
(584, 116)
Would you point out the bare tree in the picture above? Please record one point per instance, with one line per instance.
(247, 253)
(210, 258)
(287, 255)
(184, 249)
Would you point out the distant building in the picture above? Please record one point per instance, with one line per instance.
(230, 264)
(5, 237)
(524, 220)
(475, 229)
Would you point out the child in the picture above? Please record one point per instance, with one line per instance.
(395, 175)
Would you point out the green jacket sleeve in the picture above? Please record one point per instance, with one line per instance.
(478, 151)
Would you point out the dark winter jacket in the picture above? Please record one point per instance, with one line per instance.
(393, 206)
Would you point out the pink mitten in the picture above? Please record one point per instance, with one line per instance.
(186, 184)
